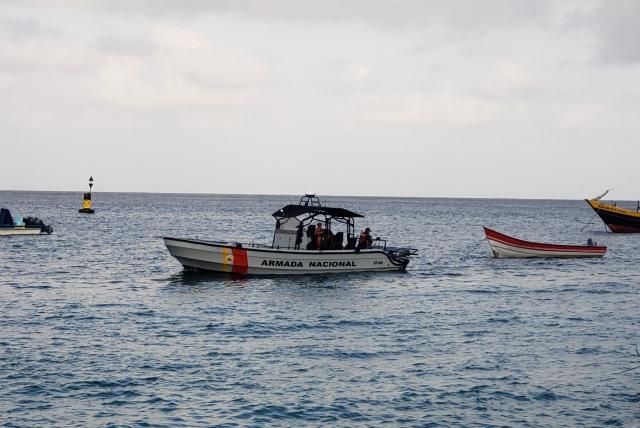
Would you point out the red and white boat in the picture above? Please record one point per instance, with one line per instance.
(504, 246)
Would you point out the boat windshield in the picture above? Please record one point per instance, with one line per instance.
(290, 223)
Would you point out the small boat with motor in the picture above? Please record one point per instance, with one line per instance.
(504, 246)
(617, 219)
(306, 240)
(20, 225)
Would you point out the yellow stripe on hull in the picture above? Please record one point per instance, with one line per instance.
(599, 206)
(227, 259)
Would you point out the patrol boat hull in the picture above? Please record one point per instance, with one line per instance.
(255, 260)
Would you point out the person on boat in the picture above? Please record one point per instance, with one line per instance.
(329, 241)
(299, 233)
(318, 236)
(365, 240)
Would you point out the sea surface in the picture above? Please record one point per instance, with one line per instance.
(99, 326)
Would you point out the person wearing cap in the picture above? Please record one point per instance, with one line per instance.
(365, 240)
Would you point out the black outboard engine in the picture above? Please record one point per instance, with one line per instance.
(401, 255)
(35, 222)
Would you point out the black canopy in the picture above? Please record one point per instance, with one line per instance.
(5, 217)
(297, 210)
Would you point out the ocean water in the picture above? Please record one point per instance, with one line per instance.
(99, 326)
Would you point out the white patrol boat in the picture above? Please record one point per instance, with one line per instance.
(21, 226)
(304, 242)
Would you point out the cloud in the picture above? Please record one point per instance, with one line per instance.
(179, 67)
(20, 28)
(358, 71)
(44, 56)
(441, 109)
(397, 14)
(616, 23)
(427, 88)
(124, 44)
(462, 15)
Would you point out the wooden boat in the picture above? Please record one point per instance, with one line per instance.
(504, 246)
(294, 249)
(618, 220)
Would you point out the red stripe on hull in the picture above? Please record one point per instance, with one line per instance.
(240, 261)
(616, 228)
(508, 240)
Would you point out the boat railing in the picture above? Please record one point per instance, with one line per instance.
(239, 244)
(379, 244)
(255, 245)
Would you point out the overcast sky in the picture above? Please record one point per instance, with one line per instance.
(494, 98)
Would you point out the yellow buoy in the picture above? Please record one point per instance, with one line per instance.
(86, 203)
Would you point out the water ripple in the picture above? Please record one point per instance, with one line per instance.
(107, 330)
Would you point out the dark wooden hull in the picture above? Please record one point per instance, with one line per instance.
(619, 220)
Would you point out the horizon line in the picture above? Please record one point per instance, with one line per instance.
(296, 195)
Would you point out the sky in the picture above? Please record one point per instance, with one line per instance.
(487, 98)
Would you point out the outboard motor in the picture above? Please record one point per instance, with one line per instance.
(35, 221)
(401, 255)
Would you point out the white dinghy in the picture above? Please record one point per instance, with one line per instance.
(504, 246)
(297, 248)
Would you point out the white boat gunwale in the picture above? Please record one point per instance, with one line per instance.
(265, 249)
(21, 230)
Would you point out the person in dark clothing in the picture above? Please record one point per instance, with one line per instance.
(365, 240)
(329, 240)
(299, 234)
(318, 236)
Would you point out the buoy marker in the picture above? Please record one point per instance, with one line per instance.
(86, 203)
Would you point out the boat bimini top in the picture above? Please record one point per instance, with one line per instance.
(296, 224)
